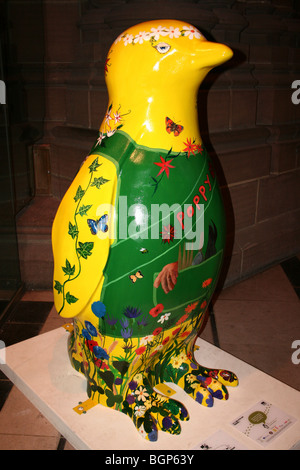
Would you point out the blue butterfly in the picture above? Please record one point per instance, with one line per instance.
(100, 224)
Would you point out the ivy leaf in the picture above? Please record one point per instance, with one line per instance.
(58, 286)
(72, 230)
(108, 377)
(79, 193)
(94, 165)
(148, 423)
(68, 269)
(85, 249)
(99, 182)
(70, 298)
(83, 209)
(121, 366)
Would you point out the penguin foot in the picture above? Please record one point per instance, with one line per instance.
(152, 412)
(205, 384)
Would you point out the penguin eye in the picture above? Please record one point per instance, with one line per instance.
(162, 47)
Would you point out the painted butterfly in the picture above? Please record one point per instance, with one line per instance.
(173, 127)
(100, 224)
(136, 276)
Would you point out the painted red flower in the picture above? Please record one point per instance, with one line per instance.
(140, 350)
(185, 334)
(204, 303)
(199, 148)
(191, 307)
(191, 147)
(168, 233)
(106, 65)
(156, 310)
(176, 331)
(165, 166)
(164, 341)
(182, 319)
(207, 282)
(90, 343)
(157, 331)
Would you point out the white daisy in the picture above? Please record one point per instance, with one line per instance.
(118, 39)
(142, 393)
(174, 32)
(164, 317)
(111, 132)
(128, 39)
(117, 117)
(100, 138)
(156, 32)
(191, 32)
(141, 37)
(139, 410)
(147, 339)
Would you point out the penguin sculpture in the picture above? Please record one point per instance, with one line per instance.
(138, 238)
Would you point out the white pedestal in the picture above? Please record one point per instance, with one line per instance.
(40, 368)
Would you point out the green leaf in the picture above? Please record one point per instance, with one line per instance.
(94, 165)
(99, 182)
(72, 230)
(79, 193)
(70, 298)
(183, 369)
(58, 286)
(121, 366)
(108, 377)
(85, 249)
(83, 209)
(148, 423)
(68, 269)
(118, 398)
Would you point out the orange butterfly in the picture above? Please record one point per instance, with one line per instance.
(173, 127)
(136, 276)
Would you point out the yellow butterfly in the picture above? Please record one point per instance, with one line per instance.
(136, 276)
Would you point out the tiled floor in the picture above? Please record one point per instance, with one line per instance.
(256, 321)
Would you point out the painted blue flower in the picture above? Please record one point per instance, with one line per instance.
(217, 394)
(110, 321)
(142, 322)
(167, 422)
(132, 385)
(132, 312)
(86, 334)
(152, 436)
(100, 353)
(126, 333)
(91, 329)
(209, 400)
(130, 399)
(124, 323)
(184, 412)
(98, 309)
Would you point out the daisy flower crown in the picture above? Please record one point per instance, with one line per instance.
(155, 33)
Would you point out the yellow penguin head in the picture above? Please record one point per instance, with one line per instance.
(162, 52)
(154, 69)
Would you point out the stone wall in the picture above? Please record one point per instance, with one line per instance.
(248, 120)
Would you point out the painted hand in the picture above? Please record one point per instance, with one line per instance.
(167, 278)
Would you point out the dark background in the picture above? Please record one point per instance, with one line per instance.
(53, 55)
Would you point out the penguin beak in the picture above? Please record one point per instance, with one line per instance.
(211, 54)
